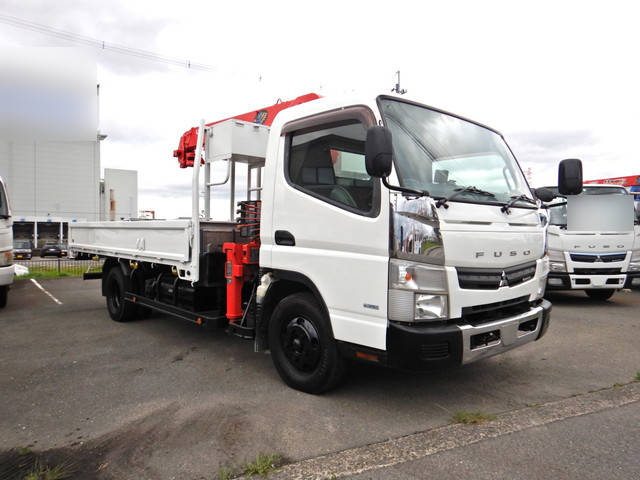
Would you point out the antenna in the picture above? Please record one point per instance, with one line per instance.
(397, 88)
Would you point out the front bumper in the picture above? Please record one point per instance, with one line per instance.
(427, 347)
(6, 275)
(571, 281)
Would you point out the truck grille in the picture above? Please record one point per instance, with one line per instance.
(592, 258)
(489, 312)
(494, 278)
(596, 271)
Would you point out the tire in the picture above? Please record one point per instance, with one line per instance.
(115, 287)
(3, 296)
(302, 346)
(602, 295)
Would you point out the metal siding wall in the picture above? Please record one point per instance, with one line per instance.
(60, 179)
(124, 183)
(17, 166)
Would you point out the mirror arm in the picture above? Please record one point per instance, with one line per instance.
(397, 188)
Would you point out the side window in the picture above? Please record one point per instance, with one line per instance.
(328, 162)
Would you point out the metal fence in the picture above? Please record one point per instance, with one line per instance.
(58, 267)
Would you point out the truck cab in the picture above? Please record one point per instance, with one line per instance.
(423, 268)
(6, 245)
(598, 260)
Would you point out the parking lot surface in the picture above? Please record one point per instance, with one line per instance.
(163, 399)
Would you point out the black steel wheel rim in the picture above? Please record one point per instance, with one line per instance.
(115, 296)
(301, 344)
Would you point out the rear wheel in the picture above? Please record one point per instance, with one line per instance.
(3, 296)
(600, 294)
(302, 346)
(115, 287)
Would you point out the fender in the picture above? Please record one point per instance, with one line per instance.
(264, 309)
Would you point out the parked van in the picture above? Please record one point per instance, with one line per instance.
(22, 249)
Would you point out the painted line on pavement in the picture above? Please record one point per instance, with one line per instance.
(419, 445)
(45, 291)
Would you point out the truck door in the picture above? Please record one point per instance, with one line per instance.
(331, 221)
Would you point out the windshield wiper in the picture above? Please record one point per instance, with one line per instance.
(458, 191)
(516, 198)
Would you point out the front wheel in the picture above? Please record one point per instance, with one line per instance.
(115, 287)
(302, 346)
(3, 296)
(600, 294)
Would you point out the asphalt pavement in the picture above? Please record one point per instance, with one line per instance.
(164, 399)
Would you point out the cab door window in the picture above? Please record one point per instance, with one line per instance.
(328, 162)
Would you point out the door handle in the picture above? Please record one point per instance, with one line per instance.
(285, 238)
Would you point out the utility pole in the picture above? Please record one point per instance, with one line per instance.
(397, 88)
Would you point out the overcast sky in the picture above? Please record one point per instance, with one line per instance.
(558, 79)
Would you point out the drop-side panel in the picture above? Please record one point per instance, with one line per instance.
(166, 242)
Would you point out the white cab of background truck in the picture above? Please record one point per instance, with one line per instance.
(6, 245)
(389, 232)
(600, 252)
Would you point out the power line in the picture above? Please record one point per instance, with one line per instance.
(100, 44)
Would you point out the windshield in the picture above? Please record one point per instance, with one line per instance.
(4, 207)
(558, 207)
(441, 153)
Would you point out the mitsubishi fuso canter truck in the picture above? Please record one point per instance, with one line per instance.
(6, 245)
(375, 229)
(599, 257)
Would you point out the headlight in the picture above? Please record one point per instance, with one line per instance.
(430, 307)
(414, 276)
(6, 258)
(634, 265)
(556, 261)
(416, 292)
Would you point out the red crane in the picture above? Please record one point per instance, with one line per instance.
(263, 116)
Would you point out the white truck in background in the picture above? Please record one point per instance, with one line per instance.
(597, 259)
(6, 245)
(375, 229)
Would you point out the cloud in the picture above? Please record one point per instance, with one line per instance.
(554, 139)
(116, 23)
(549, 146)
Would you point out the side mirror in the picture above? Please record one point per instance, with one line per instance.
(544, 194)
(570, 177)
(378, 152)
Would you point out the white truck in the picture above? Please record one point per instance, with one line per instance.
(598, 259)
(6, 245)
(375, 229)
